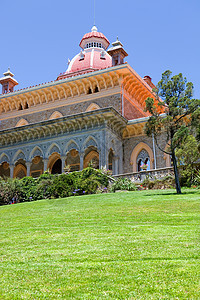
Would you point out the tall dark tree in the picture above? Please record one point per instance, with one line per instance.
(173, 112)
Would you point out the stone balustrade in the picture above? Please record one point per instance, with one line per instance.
(151, 174)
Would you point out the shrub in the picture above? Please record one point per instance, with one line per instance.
(87, 181)
(28, 188)
(10, 190)
(164, 183)
(123, 184)
(196, 180)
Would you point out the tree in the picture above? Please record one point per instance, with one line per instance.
(187, 155)
(173, 111)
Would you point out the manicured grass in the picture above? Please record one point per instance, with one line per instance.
(135, 245)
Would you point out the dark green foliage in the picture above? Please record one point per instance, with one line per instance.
(173, 97)
(47, 186)
(90, 179)
(10, 190)
(187, 155)
(196, 180)
(28, 187)
(123, 184)
(62, 186)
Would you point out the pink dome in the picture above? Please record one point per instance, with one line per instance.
(93, 57)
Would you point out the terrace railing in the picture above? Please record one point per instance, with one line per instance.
(151, 174)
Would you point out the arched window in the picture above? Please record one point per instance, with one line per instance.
(92, 106)
(89, 91)
(141, 151)
(21, 122)
(110, 160)
(96, 90)
(26, 105)
(55, 115)
(143, 159)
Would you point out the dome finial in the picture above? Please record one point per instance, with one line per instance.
(94, 29)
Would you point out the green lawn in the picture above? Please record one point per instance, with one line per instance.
(135, 245)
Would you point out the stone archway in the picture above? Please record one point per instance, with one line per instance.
(136, 151)
(20, 169)
(37, 166)
(143, 158)
(110, 160)
(91, 157)
(73, 160)
(4, 169)
(55, 163)
(57, 167)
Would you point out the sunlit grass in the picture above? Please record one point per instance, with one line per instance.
(135, 245)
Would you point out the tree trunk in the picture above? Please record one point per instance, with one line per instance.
(178, 187)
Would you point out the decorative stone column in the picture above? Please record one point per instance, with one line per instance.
(28, 168)
(12, 171)
(63, 158)
(81, 154)
(45, 161)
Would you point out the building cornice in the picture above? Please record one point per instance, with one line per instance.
(108, 117)
(62, 81)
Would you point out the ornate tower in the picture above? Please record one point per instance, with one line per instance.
(8, 82)
(117, 53)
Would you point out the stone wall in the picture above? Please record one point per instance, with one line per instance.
(129, 145)
(113, 100)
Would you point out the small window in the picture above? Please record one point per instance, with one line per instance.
(103, 54)
(89, 91)
(96, 90)
(94, 44)
(20, 107)
(26, 105)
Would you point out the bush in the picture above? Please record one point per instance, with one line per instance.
(87, 181)
(123, 184)
(10, 190)
(188, 176)
(196, 180)
(164, 183)
(28, 187)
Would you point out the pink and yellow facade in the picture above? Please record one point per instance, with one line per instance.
(92, 112)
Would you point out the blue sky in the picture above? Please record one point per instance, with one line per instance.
(38, 37)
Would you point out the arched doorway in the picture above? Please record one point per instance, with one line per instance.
(110, 160)
(73, 160)
(57, 167)
(91, 158)
(5, 169)
(55, 164)
(20, 169)
(37, 167)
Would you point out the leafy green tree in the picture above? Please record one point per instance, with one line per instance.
(173, 112)
(187, 155)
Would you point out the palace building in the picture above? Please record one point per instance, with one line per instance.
(92, 112)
